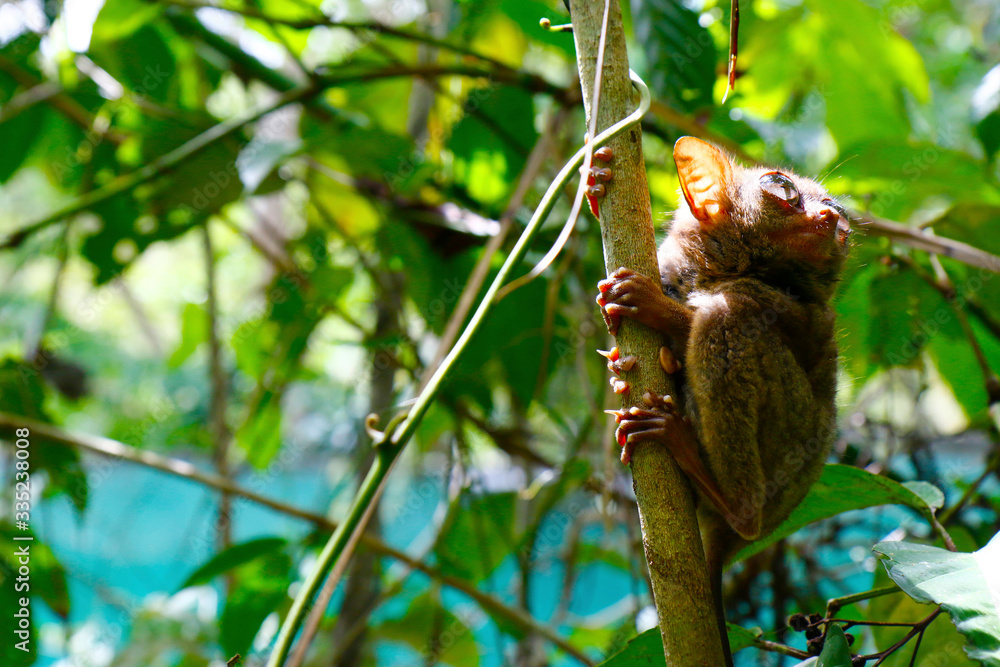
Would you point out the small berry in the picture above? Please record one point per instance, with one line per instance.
(850, 638)
(797, 622)
(812, 632)
(814, 646)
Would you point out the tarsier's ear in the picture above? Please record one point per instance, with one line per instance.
(705, 172)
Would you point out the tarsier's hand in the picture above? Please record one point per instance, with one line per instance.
(661, 422)
(633, 295)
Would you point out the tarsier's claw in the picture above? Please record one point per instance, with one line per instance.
(604, 154)
(617, 414)
(610, 355)
(627, 363)
(619, 386)
(596, 190)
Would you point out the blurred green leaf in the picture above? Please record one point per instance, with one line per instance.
(478, 537)
(22, 392)
(681, 53)
(194, 332)
(261, 588)
(434, 633)
(47, 579)
(232, 557)
(646, 650)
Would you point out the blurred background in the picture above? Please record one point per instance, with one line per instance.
(228, 233)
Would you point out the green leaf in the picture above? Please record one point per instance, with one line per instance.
(234, 556)
(863, 77)
(121, 18)
(17, 136)
(194, 332)
(22, 392)
(526, 14)
(680, 53)
(494, 135)
(424, 620)
(741, 638)
(966, 585)
(835, 651)
(478, 537)
(900, 175)
(941, 644)
(262, 586)
(646, 650)
(841, 489)
(142, 61)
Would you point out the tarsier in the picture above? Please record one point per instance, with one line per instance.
(747, 272)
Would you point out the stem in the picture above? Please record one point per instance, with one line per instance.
(962, 252)
(917, 629)
(833, 605)
(363, 500)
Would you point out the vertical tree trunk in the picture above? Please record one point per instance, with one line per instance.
(671, 540)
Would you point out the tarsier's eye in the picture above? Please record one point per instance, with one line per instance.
(836, 207)
(780, 186)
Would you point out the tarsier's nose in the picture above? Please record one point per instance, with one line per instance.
(828, 217)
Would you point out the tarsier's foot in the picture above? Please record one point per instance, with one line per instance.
(630, 294)
(657, 422)
(660, 421)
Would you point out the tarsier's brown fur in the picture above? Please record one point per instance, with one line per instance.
(747, 271)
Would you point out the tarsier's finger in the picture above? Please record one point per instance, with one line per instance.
(630, 430)
(620, 289)
(663, 404)
(612, 322)
(617, 309)
(622, 272)
(629, 442)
